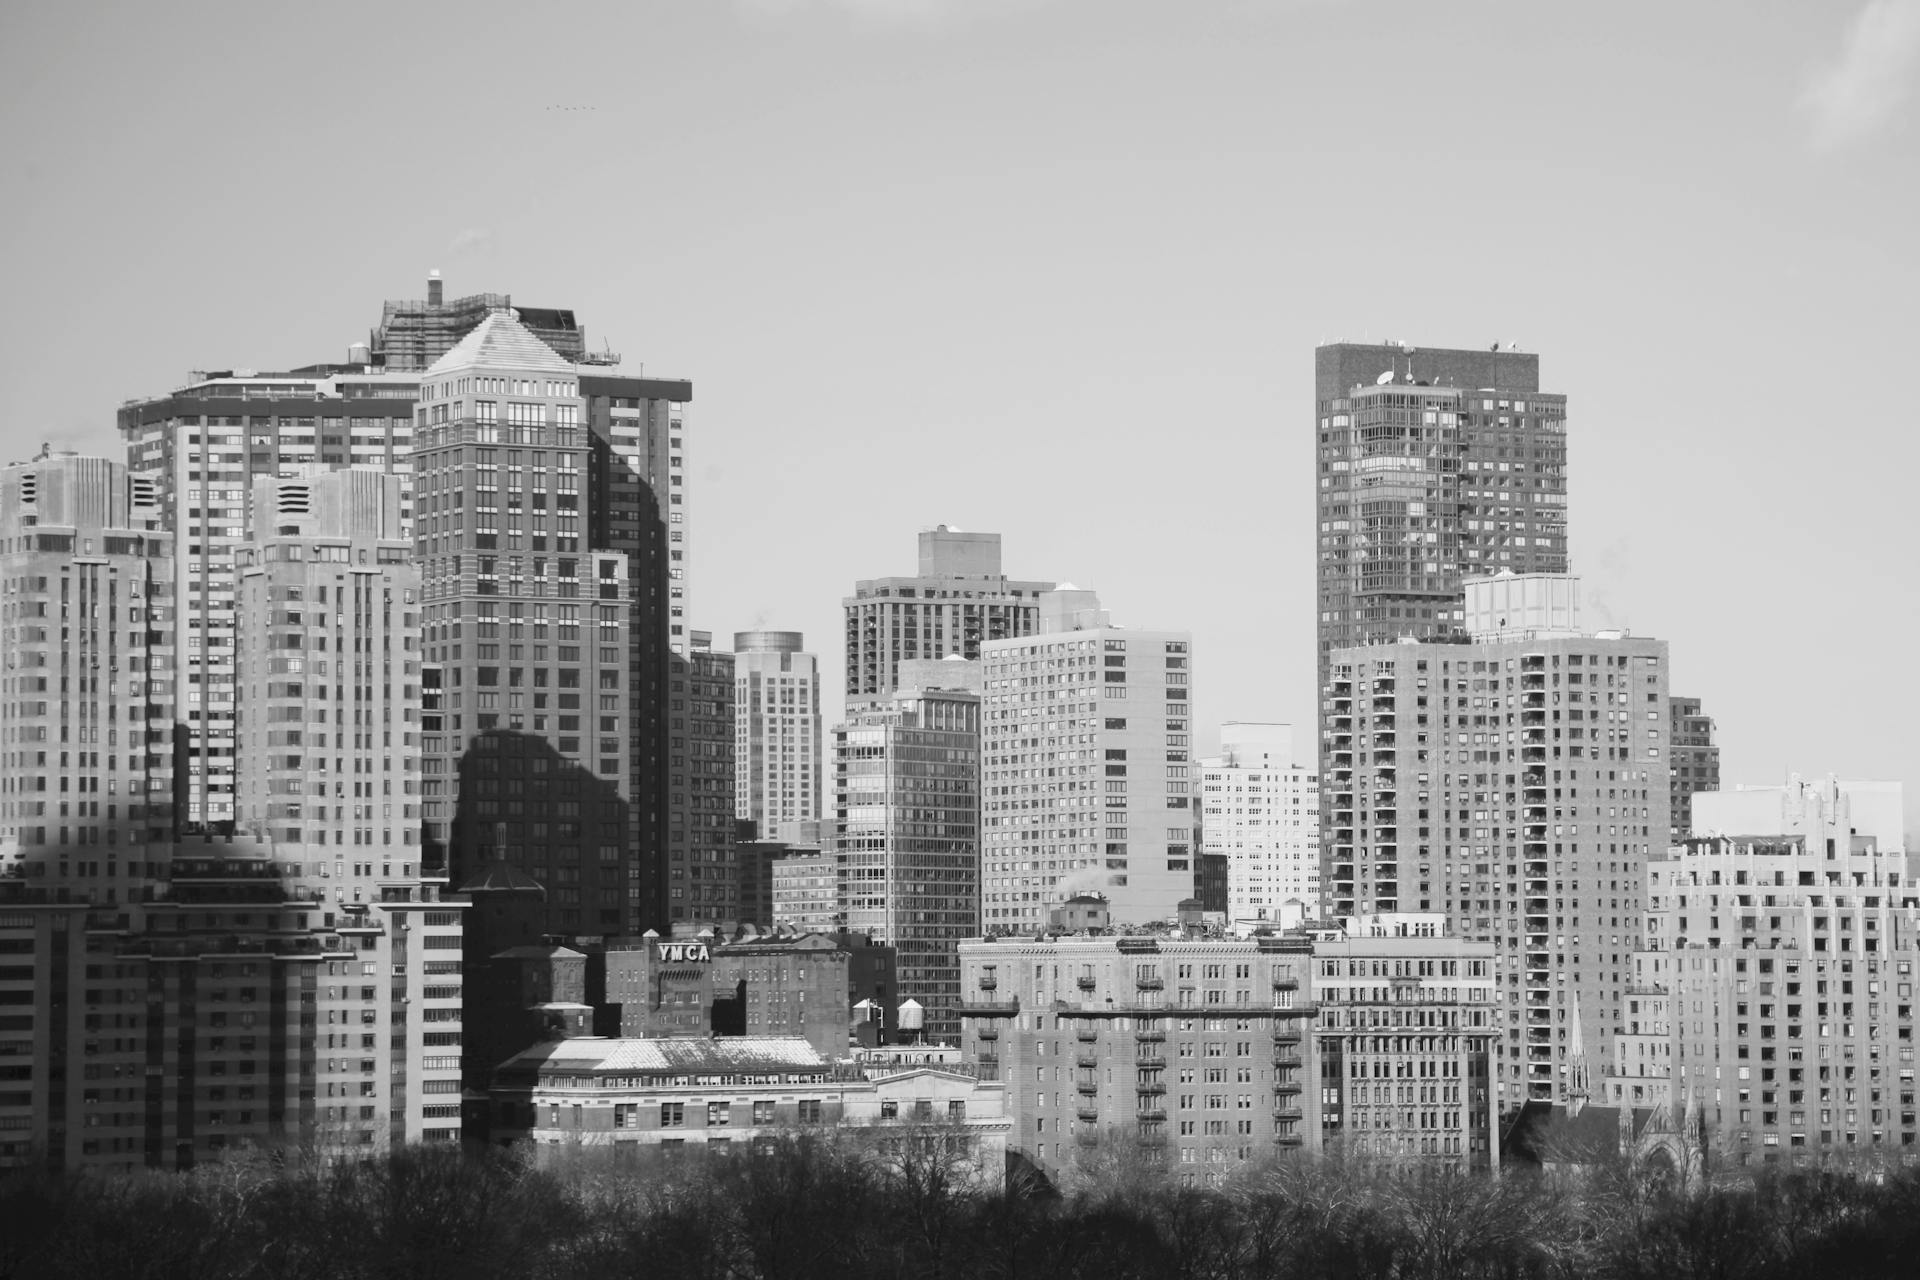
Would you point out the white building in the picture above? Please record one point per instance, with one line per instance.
(1262, 811)
(776, 716)
(1085, 767)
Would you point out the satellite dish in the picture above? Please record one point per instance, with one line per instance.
(1383, 379)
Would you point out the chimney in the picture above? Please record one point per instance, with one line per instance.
(433, 288)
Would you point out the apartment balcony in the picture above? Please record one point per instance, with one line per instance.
(1287, 1114)
(988, 1032)
(1087, 1088)
(1283, 982)
(1151, 1115)
(1285, 1036)
(988, 982)
(1289, 1087)
(1153, 1062)
(1289, 1139)
(1088, 1137)
(1150, 1035)
(1088, 1115)
(1087, 1061)
(1150, 983)
(1148, 1088)
(1085, 982)
(989, 1008)
(1086, 1033)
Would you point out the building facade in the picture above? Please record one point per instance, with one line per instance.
(670, 1098)
(530, 627)
(1433, 466)
(1404, 1043)
(201, 449)
(1195, 1052)
(1086, 763)
(328, 676)
(88, 799)
(1696, 763)
(1261, 811)
(229, 1013)
(958, 601)
(906, 844)
(1773, 991)
(413, 333)
(1519, 785)
(776, 707)
(806, 892)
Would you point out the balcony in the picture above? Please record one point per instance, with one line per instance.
(1282, 982)
(1289, 1139)
(1146, 1088)
(1153, 1062)
(1088, 1087)
(1286, 1115)
(988, 1032)
(989, 1008)
(1285, 1037)
(1088, 1115)
(1151, 1115)
(1087, 1062)
(1150, 1035)
(1288, 1087)
(1150, 984)
(1086, 1033)
(1085, 982)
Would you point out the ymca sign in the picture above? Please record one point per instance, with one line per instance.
(684, 952)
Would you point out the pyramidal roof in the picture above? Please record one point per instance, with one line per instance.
(501, 341)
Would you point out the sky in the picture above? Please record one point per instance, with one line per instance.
(1056, 268)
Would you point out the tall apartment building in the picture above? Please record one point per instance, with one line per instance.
(1518, 783)
(1085, 772)
(806, 892)
(1404, 1044)
(705, 883)
(1433, 466)
(1696, 762)
(639, 506)
(530, 627)
(328, 676)
(413, 333)
(958, 601)
(201, 448)
(1261, 811)
(1773, 989)
(776, 707)
(87, 791)
(907, 828)
(229, 1013)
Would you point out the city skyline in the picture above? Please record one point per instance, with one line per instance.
(1739, 215)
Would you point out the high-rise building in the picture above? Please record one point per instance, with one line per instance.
(87, 801)
(1517, 782)
(907, 828)
(201, 448)
(776, 708)
(1085, 774)
(414, 333)
(1433, 466)
(958, 601)
(530, 626)
(327, 674)
(1696, 762)
(1261, 811)
(1772, 988)
(703, 867)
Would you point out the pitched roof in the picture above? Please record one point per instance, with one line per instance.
(501, 876)
(500, 341)
(726, 1055)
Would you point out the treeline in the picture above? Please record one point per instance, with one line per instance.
(810, 1209)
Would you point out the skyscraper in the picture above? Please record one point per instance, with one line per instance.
(1696, 762)
(907, 828)
(1085, 774)
(201, 448)
(1519, 784)
(1433, 465)
(87, 802)
(1261, 811)
(530, 626)
(777, 732)
(328, 676)
(958, 601)
(703, 871)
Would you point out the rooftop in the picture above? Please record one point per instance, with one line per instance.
(501, 341)
(732, 1055)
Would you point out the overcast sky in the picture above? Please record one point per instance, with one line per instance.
(1057, 269)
